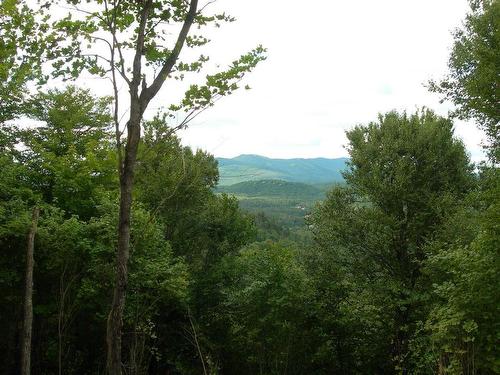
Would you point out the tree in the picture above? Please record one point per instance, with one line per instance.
(462, 325)
(463, 264)
(67, 165)
(137, 51)
(21, 51)
(64, 163)
(157, 285)
(474, 65)
(69, 157)
(265, 292)
(406, 173)
(174, 183)
(16, 202)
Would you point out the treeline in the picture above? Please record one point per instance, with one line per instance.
(408, 252)
(180, 231)
(401, 276)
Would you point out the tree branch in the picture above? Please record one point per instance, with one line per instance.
(96, 56)
(116, 44)
(148, 93)
(136, 67)
(207, 4)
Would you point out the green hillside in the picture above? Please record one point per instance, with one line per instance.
(255, 167)
(287, 203)
(278, 189)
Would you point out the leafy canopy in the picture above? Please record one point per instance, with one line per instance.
(474, 67)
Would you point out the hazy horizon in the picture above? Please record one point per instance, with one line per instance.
(330, 66)
(327, 72)
(268, 157)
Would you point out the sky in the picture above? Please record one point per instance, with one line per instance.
(331, 65)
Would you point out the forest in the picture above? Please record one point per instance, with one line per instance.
(119, 253)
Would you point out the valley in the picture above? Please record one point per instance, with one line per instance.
(283, 190)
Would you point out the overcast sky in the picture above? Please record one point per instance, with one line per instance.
(331, 65)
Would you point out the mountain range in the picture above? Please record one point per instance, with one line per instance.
(255, 167)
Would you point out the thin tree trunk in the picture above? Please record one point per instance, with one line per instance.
(60, 322)
(28, 297)
(115, 318)
(195, 336)
(65, 313)
(400, 345)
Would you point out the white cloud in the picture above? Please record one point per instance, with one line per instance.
(331, 65)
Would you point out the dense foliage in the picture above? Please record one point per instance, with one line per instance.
(394, 272)
(472, 81)
(68, 167)
(401, 276)
(406, 175)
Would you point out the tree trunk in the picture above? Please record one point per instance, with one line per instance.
(400, 345)
(28, 297)
(115, 318)
(195, 337)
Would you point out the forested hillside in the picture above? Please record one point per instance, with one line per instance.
(123, 252)
(274, 188)
(255, 167)
(279, 206)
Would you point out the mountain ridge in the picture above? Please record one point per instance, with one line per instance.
(252, 167)
(274, 189)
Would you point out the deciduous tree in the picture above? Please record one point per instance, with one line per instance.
(129, 42)
(406, 173)
(474, 66)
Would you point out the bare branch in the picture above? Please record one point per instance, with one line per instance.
(195, 336)
(154, 26)
(93, 14)
(195, 113)
(206, 5)
(97, 56)
(103, 40)
(115, 112)
(117, 44)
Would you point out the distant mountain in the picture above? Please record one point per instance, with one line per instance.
(256, 167)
